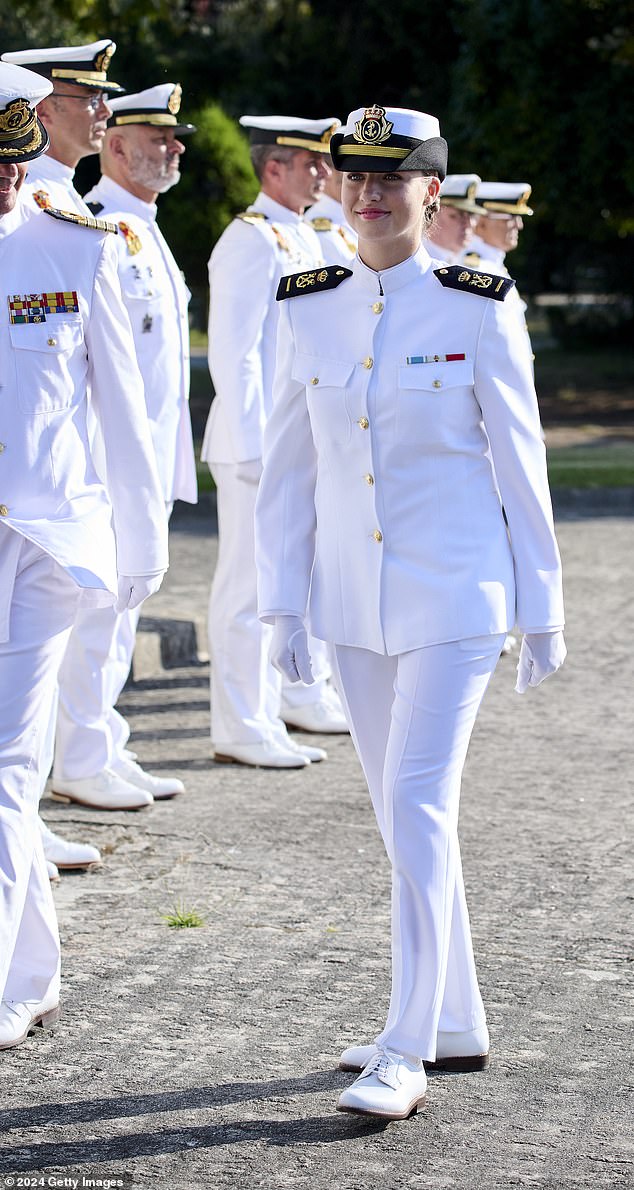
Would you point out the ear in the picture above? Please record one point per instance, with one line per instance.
(116, 145)
(46, 111)
(272, 170)
(433, 188)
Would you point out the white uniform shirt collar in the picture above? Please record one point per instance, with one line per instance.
(274, 210)
(122, 200)
(47, 167)
(486, 251)
(401, 274)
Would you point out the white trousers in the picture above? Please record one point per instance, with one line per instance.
(90, 733)
(245, 688)
(411, 718)
(41, 600)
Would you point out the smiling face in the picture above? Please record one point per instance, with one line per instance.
(11, 178)
(387, 212)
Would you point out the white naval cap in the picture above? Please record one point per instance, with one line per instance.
(459, 191)
(504, 198)
(291, 131)
(157, 106)
(81, 65)
(376, 139)
(22, 136)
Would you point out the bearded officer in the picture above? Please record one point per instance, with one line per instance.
(271, 238)
(139, 159)
(453, 227)
(65, 340)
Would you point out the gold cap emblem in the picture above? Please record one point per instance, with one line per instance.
(102, 60)
(16, 120)
(373, 129)
(174, 101)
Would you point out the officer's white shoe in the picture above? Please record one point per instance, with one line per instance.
(315, 755)
(63, 854)
(53, 874)
(159, 787)
(268, 754)
(325, 717)
(510, 642)
(105, 791)
(390, 1086)
(17, 1020)
(459, 1053)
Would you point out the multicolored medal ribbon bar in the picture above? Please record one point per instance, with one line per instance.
(33, 307)
(434, 359)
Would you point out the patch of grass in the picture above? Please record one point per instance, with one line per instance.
(598, 466)
(183, 917)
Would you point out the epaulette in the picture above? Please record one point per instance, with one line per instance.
(252, 216)
(473, 260)
(95, 207)
(470, 281)
(81, 220)
(321, 224)
(311, 282)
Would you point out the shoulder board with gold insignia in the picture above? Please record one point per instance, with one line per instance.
(95, 207)
(311, 282)
(473, 260)
(252, 216)
(489, 285)
(81, 220)
(321, 224)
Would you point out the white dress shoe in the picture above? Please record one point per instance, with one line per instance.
(63, 854)
(320, 717)
(159, 787)
(53, 874)
(390, 1086)
(315, 755)
(17, 1020)
(510, 642)
(459, 1053)
(266, 755)
(105, 791)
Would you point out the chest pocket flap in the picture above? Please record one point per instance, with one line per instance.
(57, 334)
(314, 371)
(436, 377)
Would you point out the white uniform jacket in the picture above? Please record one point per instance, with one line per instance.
(378, 512)
(63, 328)
(156, 299)
(51, 183)
(338, 241)
(244, 270)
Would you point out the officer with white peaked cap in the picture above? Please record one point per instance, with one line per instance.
(453, 227)
(401, 383)
(139, 159)
(248, 708)
(501, 208)
(64, 542)
(75, 119)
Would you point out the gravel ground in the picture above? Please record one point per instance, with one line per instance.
(208, 1056)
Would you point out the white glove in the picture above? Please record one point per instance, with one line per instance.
(289, 650)
(540, 655)
(133, 589)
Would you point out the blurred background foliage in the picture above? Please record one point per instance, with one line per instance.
(535, 90)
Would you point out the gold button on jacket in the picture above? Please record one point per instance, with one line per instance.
(363, 422)
(4, 511)
(377, 535)
(368, 362)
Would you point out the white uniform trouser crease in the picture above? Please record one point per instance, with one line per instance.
(42, 601)
(245, 689)
(411, 720)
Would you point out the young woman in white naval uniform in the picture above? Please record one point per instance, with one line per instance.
(405, 420)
